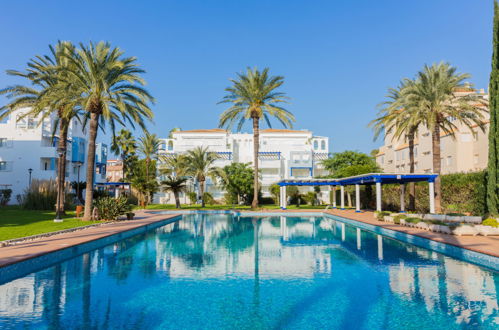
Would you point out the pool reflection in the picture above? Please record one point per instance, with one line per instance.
(260, 272)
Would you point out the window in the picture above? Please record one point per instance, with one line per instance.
(3, 142)
(170, 145)
(4, 166)
(323, 145)
(475, 159)
(316, 145)
(448, 161)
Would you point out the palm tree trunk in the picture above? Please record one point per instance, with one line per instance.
(437, 165)
(61, 168)
(123, 169)
(201, 190)
(177, 199)
(412, 185)
(94, 121)
(256, 146)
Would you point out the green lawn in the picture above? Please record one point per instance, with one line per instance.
(15, 222)
(228, 207)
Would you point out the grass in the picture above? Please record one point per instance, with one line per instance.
(16, 222)
(229, 207)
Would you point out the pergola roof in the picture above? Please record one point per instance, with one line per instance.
(363, 179)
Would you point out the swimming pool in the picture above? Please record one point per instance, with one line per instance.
(221, 271)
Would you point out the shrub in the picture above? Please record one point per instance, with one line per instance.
(5, 195)
(266, 201)
(310, 197)
(208, 198)
(413, 220)
(491, 222)
(111, 208)
(380, 215)
(192, 196)
(397, 218)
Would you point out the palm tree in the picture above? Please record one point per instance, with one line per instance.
(149, 146)
(399, 118)
(175, 165)
(253, 96)
(176, 185)
(124, 144)
(200, 165)
(110, 90)
(432, 98)
(48, 95)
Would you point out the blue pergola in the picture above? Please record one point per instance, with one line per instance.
(365, 179)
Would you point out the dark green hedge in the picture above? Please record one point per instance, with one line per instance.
(461, 193)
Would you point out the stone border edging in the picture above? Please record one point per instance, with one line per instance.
(24, 239)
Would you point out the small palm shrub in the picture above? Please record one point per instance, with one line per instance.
(208, 198)
(380, 215)
(111, 208)
(397, 218)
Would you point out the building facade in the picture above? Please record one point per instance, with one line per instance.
(464, 151)
(283, 153)
(114, 170)
(28, 151)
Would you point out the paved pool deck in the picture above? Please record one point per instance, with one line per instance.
(37, 247)
(31, 249)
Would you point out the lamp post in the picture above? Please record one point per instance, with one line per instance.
(30, 170)
(60, 194)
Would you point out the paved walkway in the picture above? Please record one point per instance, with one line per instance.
(483, 244)
(38, 247)
(11, 254)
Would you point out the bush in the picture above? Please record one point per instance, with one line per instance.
(42, 195)
(491, 222)
(266, 201)
(462, 193)
(397, 218)
(380, 215)
(111, 208)
(192, 196)
(5, 195)
(208, 198)
(310, 197)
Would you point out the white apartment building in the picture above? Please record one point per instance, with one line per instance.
(283, 153)
(27, 150)
(466, 151)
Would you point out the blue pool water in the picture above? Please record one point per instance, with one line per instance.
(227, 272)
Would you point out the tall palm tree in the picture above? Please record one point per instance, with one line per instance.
(110, 90)
(125, 145)
(401, 120)
(176, 185)
(433, 98)
(47, 95)
(200, 164)
(149, 147)
(253, 95)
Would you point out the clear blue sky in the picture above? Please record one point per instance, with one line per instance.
(337, 57)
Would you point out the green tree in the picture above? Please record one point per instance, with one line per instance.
(149, 147)
(175, 165)
(176, 185)
(348, 163)
(124, 145)
(253, 95)
(46, 95)
(109, 87)
(144, 185)
(432, 97)
(237, 180)
(493, 163)
(398, 118)
(200, 165)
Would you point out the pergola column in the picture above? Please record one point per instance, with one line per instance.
(431, 189)
(284, 202)
(342, 197)
(357, 198)
(334, 197)
(378, 196)
(402, 198)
